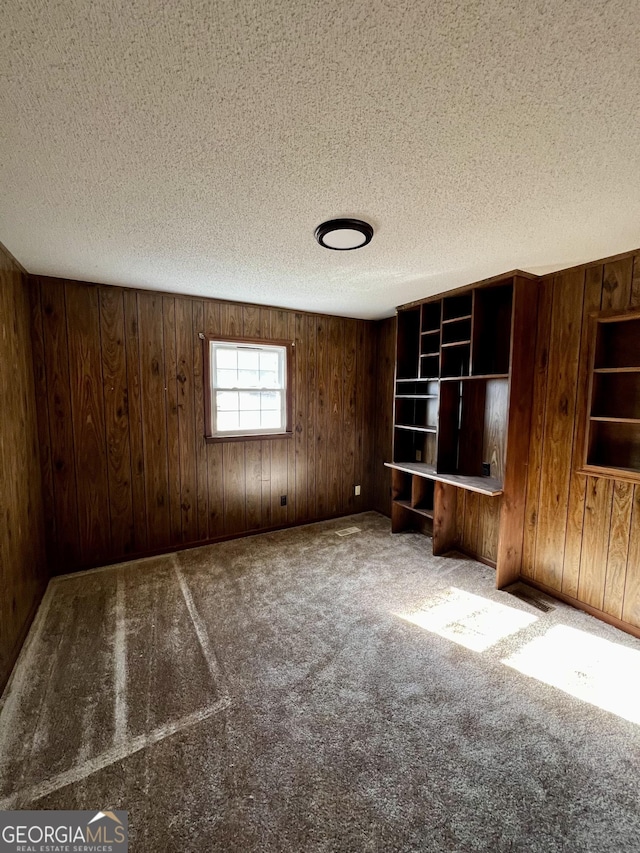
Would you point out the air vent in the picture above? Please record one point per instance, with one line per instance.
(347, 531)
(530, 596)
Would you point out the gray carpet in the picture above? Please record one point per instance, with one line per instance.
(298, 691)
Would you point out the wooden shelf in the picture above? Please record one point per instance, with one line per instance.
(416, 428)
(416, 396)
(482, 485)
(617, 370)
(457, 344)
(607, 420)
(456, 319)
(431, 332)
(430, 354)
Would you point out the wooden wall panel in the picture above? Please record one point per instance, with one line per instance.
(88, 423)
(154, 418)
(582, 533)
(566, 328)
(384, 344)
(56, 409)
(120, 374)
(186, 421)
(116, 417)
(578, 483)
(135, 423)
(23, 571)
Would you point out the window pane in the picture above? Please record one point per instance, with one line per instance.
(250, 420)
(227, 401)
(270, 401)
(250, 401)
(269, 379)
(270, 420)
(248, 379)
(269, 361)
(248, 359)
(226, 358)
(227, 421)
(227, 378)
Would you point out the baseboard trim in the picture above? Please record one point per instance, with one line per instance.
(581, 605)
(478, 557)
(201, 543)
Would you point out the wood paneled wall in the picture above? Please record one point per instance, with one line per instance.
(23, 571)
(383, 408)
(126, 469)
(582, 534)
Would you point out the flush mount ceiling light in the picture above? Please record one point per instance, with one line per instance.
(344, 234)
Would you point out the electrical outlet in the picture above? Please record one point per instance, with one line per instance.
(418, 456)
(486, 469)
(356, 490)
(283, 500)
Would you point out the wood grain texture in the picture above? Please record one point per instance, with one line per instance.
(540, 378)
(56, 409)
(23, 570)
(44, 438)
(188, 456)
(135, 420)
(116, 415)
(634, 301)
(618, 548)
(201, 461)
(444, 517)
(136, 439)
(595, 541)
(578, 483)
(566, 327)
(171, 411)
(631, 602)
(154, 418)
(382, 414)
(88, 418)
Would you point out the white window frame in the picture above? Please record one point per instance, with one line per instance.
(213, 344)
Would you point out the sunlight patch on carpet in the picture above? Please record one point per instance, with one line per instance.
(469, 620)
(590, 668)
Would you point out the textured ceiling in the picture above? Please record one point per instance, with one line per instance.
(194, 146)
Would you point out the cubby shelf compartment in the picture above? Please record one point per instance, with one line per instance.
(612, 434)
(428, 513)
(412, 502)
(457, 307)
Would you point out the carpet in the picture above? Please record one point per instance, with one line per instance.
(301, 691)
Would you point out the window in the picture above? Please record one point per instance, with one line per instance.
(247, 388)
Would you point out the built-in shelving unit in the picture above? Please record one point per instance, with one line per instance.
(462, 408)
(612, 447)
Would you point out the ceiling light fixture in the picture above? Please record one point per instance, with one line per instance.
(344, 234)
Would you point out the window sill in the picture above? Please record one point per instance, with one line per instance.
(217, 439)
